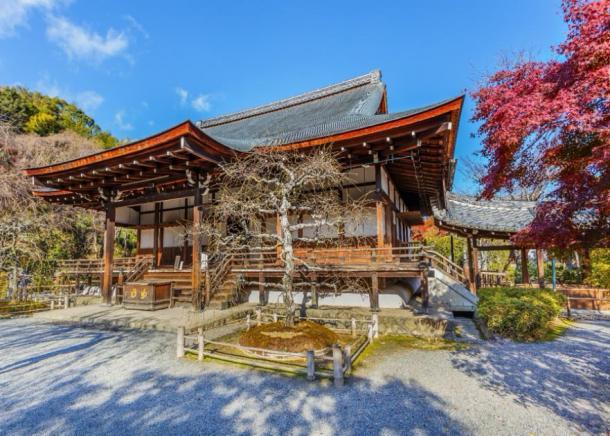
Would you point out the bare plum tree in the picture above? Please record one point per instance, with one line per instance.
(304, 193)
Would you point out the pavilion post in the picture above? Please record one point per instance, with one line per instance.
(374, 292)
(540, 267)
(452, 249)
(379, 207)
(108, 253)
(476, 276)
(470, 261)
(196, 269)
(524, 268)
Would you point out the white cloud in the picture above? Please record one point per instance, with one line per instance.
(80, 42)
(119, 119)
(15, 13)
(183, 94)
(202, 103)
(135, 24)
(89, 100)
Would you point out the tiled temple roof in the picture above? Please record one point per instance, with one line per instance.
(338, 108)
(497, 215)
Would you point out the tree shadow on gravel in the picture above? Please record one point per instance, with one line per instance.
(570, 376)
(111, 388)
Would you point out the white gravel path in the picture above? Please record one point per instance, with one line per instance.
(66, 380)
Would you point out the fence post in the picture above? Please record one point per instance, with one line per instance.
(200, 343)
(52, 304)
(337, 366)
(353, 326)
(347, 358)
(375, 325)
(248, 322)
(259, 316)
(311, 366)
(180, 342)
(66, 301)
(274, 317)
(370, 333)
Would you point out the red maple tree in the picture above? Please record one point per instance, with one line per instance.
(553, 118)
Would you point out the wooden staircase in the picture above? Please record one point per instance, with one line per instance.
(182, 290)
(227, 293)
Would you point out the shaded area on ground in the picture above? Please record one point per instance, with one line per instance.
(570, 375)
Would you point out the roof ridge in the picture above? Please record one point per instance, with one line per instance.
(373, 77)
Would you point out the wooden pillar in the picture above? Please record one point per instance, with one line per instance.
(470, 263)
(475, 265)
(262, 291)
(374, 292)
(139, 231)
(540, 267)
(314, 290)
(524, 270)
(196, 268)
(380, 221)
(452, 249)
(155, 236)
(278, 231)
(108, 253)
(185, 243)
(586, 263)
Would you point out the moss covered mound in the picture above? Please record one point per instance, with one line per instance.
(305, 335)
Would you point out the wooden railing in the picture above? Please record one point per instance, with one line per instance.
(216, 274)
(491, 279)
(93, 266)
(445, 265)
(142, 265)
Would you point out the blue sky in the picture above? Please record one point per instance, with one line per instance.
(141, 66)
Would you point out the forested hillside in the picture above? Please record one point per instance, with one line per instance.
(32, 112)
(36, 130)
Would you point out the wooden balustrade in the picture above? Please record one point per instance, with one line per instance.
(491, 279)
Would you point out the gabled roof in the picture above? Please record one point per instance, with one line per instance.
(354, 104)
(498, 215)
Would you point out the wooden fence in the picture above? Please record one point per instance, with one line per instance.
(334, 362)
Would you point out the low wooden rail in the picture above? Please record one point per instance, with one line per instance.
(96, 266)
(335, 362)
(447, 266)
(490, 279)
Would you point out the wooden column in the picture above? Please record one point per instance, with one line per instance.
(262, 291)
(139, 230)
(374, 292)
(475, 265)
(380, 221)
(452, 249)
(586, 263)
(185, 243)
(314, 290)
(470, 262)
(155, 236)
(108, 253)
(196, 269)
(524, 271)
(540, 267)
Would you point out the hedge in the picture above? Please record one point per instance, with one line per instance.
(519, 314)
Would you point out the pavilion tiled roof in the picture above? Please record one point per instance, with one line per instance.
(338, 108)
(497, 215)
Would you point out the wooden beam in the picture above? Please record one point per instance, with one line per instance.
(156, 236)
(108, 253)
(196, 268)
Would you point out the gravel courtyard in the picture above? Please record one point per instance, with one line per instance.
(66, 380)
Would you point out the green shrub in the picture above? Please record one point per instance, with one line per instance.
(519, 314)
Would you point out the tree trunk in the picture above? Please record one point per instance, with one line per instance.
(288, 257)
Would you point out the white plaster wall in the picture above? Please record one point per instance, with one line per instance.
(126, 215)
(368, 227)
(146, 238)
(172, 237)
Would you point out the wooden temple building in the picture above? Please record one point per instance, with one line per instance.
(405, 159)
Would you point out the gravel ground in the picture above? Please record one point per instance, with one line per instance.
(66, 380)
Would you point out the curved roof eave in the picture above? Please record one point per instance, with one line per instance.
(409, 118)
(166, 136)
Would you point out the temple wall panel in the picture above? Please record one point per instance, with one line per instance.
(146, 238)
